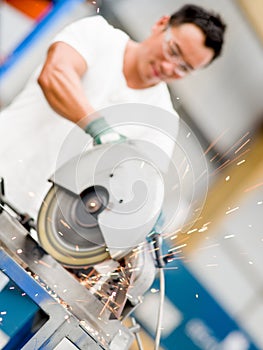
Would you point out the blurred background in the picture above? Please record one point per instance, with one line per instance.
(214, 290)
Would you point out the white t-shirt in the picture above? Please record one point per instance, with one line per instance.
(32, 134)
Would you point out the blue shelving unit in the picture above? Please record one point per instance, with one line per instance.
(58, 8)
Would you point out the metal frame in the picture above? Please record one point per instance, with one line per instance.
(60, 324)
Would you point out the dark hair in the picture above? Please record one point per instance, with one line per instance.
(210, 23)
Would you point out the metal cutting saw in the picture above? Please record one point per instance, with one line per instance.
(99, 220)
(102, 205)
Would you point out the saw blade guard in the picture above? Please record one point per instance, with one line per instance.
(103, 203)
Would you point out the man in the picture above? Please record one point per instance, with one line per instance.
(187, 41)
(89, 66)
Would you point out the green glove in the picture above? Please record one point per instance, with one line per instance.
(101, 132)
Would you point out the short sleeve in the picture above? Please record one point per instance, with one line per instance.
(90, 36)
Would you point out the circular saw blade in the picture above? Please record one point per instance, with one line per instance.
(68, 230)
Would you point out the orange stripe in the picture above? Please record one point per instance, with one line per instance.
(31, 8)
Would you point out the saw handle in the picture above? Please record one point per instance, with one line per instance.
(102, 132)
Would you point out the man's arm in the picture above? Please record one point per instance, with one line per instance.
(60, 81)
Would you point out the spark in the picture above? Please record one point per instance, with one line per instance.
(254, 187)
(202, 229)
(215, 141)
(260, 202)
(98, 10)
(187, 136)
(90, 273)
(210, 246)
(197, 296)
(194, 221)
(112, 273)
(207, 223)
(227, 178)
(173, 258)
(213, 158)
(154, 250)
(174, 234)
(250, 262)
(197, 209)
(241, 162)
(200, 176)
(183, 238)
(172, 255)
(178, 247)
(191, 231)
(235, 144)
(44, 263)
(228, 162)
(229, 236)
(242, 146)
(223, 165)
(65, 224)
(81, 300)
(174, 267)
(108, 301)
(19, 251)
(3, 312)
(231, 210)
(174, 237)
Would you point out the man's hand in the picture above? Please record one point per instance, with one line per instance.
(102, 133)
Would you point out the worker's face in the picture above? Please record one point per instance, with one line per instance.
(173, 52)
